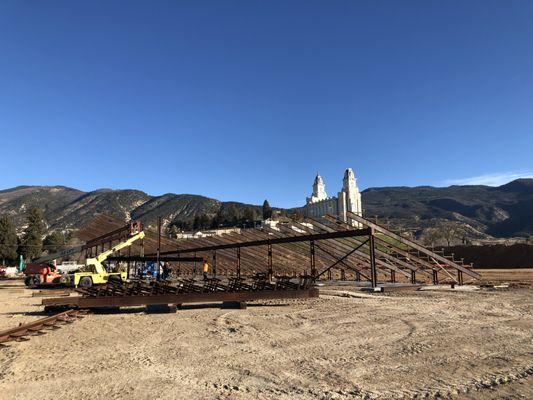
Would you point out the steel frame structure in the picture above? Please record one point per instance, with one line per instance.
(324, 248)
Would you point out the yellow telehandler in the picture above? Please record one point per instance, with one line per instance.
(94, 272)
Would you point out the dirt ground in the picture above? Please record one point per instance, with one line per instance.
(524, 276)
(344, 345)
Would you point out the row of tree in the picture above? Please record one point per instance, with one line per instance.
(445, 233)
(231, 215)
(31, 244)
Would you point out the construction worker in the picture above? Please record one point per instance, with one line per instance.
(206, 270)
(166, 271)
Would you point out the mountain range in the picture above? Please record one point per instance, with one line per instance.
(504, 211)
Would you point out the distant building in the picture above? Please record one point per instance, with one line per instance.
(207, 233)
(348, 199)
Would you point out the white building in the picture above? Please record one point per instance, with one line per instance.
(348, 199)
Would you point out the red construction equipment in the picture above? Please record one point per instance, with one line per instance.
(41, 274)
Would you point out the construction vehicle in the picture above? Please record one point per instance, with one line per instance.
(60, 254)
(39, 274)
(94, 272)
(44, 272)
(67, 267)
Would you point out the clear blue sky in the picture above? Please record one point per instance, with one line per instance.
(247, 100)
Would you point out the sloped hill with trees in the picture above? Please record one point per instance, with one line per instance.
(470, 211)
(502, 211)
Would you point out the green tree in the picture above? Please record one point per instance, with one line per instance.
(431, 237)
(32, 240)
(201, 222)
(451, 231)
(267, 210)
(55, 241)
(249, 215)
(8, 239)
(173, 231)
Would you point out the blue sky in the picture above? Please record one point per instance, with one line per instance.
(247, 100)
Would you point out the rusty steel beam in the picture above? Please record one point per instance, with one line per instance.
(129, 301)
(414, 245)
(293, 239)
(408, 256)
(342, 248)
(40, 325)
(328, 269)
(390, 258)
(335, 245)
(152, 258)
(384, 266)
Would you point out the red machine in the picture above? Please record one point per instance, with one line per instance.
(38, 274)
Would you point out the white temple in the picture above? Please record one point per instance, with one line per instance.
(348, 199)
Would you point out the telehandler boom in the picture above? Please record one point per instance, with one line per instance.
(95, 273)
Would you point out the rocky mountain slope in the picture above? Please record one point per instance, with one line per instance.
(503, 211)
(67, 208)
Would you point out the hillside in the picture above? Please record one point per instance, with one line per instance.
(67, 208)
(504, 211)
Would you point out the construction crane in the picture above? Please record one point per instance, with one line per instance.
(60, 254)
(94, 272)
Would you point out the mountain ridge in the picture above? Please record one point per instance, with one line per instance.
(503, 211)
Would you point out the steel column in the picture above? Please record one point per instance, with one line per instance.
(270, 269)
(373, 272)
(313, 266)
(239, 262)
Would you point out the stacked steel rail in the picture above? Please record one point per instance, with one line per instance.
(184, 286)
(39, 326)
(236, 289)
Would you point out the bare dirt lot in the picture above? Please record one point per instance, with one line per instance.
(344, 345)
(523, 276)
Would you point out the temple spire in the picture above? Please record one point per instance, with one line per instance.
(319, 190)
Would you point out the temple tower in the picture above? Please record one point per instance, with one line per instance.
(319, 190)
(348, 199)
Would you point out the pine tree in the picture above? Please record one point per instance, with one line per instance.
(55, 242)
(173, 232)
(267, 210)
(248, 215)
(32, 241)
(8, 240)
(196, 223)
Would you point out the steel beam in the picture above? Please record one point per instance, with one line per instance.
(293, 239)
(152, 258)
(412, 244)
(129, 301)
